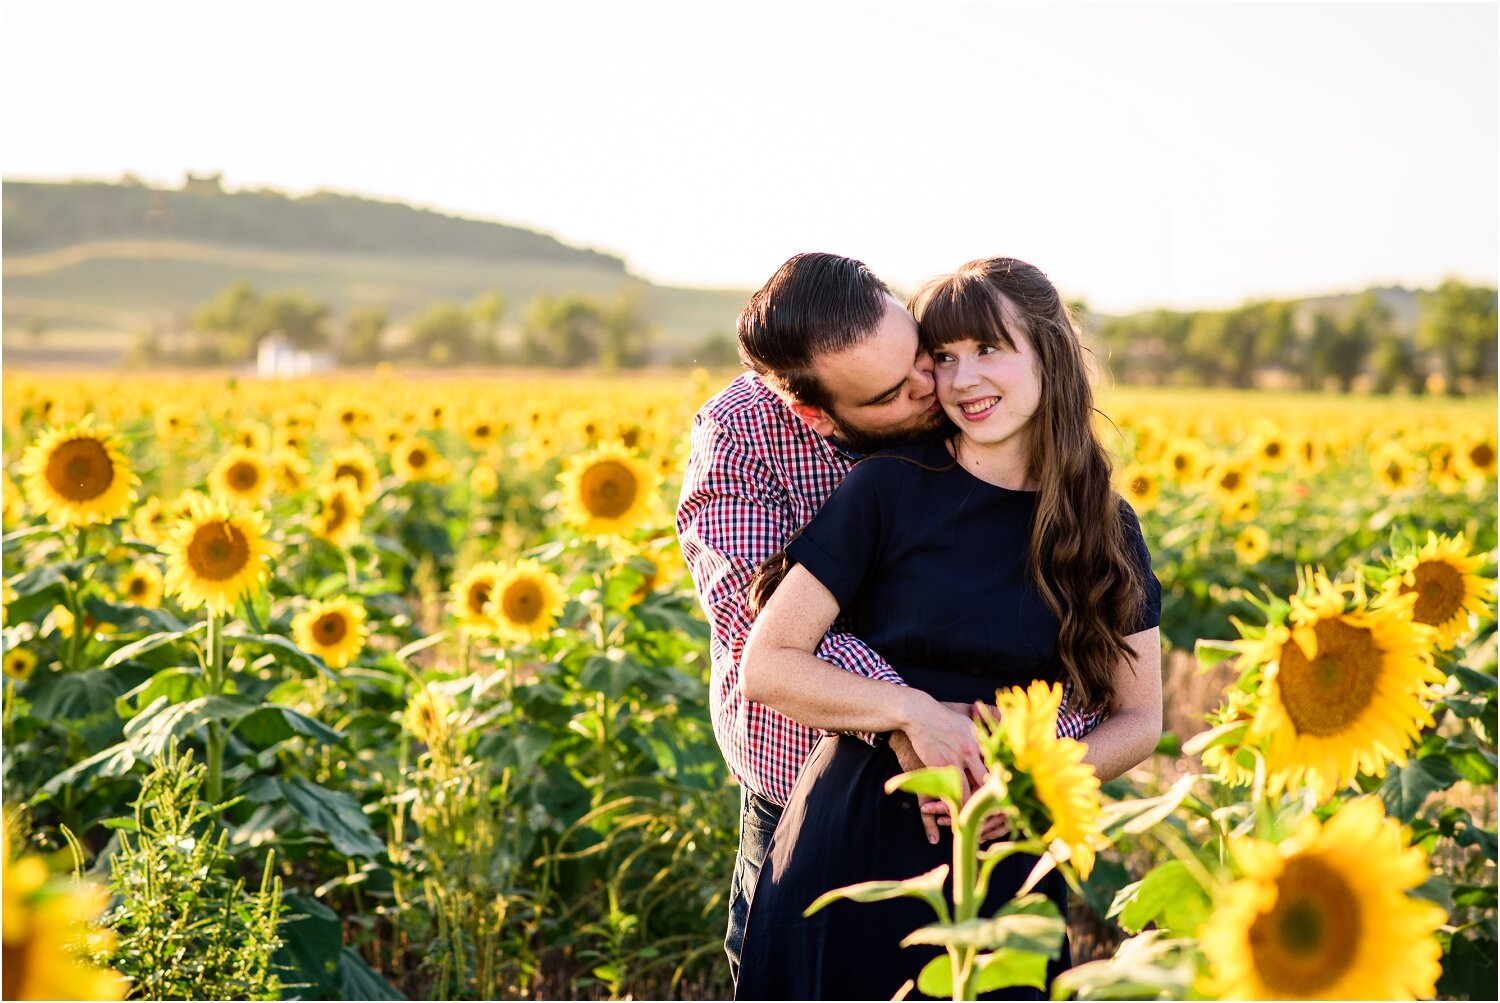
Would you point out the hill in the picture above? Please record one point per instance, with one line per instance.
(87, 263)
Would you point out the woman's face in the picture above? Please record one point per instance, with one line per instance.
(990, 391)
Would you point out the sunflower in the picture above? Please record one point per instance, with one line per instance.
(142, 585)
(354, 462)
(525, 602)
(14, 509)
(354, 420)
(1140, 485)
(1327, 914)
(1271, 450)
(48, 925)
(333, 630)
(1448, 592)
(1478, 456)
(182, 506)
(1224, 757)
(254, 438)
(1025, 738)
(76, 475)
(483, 480)
(1230, 483)
(414, 459)
(1395, 468)
(607, 491)
(340, 507)
(151, 521)
(482, 433)
(1345, 685)
(428, 717)
(1184, 461)
(215, 556)
(173, 422)
(1252, 545)
(471, 602)
(20, 663)
(289, 470)
(1310, 455)
(240, 479)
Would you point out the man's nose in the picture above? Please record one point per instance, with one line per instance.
(922, 382)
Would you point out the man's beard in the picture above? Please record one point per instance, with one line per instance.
(864, 441)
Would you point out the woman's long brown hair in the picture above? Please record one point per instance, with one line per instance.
(1078, 538)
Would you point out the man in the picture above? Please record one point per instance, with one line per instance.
(836, 372)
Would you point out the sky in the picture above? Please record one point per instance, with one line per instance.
(1144, 155)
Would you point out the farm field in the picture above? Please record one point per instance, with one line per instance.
(373, 687)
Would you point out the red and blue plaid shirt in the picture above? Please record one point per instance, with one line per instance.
(755, 475)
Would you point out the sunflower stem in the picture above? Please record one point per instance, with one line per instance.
(215, 744)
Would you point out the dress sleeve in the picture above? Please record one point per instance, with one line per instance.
(845, 539)
(1151, 606)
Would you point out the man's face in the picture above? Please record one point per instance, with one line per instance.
(881, 390)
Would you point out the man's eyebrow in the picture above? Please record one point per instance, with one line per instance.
(882, 395)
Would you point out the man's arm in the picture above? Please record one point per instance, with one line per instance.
(734, 513)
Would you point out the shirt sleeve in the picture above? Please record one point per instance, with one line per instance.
(845, 539)
(732, 515)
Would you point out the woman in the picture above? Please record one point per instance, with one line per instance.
(983, 560)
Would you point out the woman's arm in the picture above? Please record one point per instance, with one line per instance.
(1130, 733)
(778, 669)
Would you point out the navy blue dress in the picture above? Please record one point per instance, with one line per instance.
(928, 564)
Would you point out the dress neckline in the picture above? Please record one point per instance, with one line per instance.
(957, 465)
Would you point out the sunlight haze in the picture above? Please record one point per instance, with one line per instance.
(1144, 155)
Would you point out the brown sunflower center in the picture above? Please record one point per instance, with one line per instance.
(1482, 455)
(80, 469)
(1395, 473)
(1272, 451)
(1180, 462)
(1440, 592)
(1140, 485)
(1231, 481)
(609, 489)
(330, 628)
(351, 471)
(522, 601)
(481, 431)
(479, 595)
(337, 512)
(243, 476)
(1307, 942)
(138, 586)
(1323, 696)
(417, 458)
(218, 551)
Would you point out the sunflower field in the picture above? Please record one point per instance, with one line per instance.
(388, 688)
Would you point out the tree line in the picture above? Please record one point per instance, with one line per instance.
(568, 330)
(1314, 345)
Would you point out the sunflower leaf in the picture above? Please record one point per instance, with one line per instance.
(1011, 967)
(1210, 653)
(1168, 896)
(936, 782)
(928, 887)
(1406, 788)
(1029, 923)
(149, 643)
(270, 723)
(283, 645)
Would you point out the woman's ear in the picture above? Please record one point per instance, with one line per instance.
(814, 418)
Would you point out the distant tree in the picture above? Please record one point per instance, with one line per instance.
(362, 334)
(301, 319)
(1339, 347)
(1205, 346)
(444, 335)
(1458, 323)
(626, 334)
(563, 331)
(487, 310)
(715, 351)
(1394, 363)
(230, 325)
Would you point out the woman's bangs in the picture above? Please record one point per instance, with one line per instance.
(962, 311)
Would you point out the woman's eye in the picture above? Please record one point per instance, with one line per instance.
(941, 358)
(987, 349)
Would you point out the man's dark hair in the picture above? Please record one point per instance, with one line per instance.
(815, 303)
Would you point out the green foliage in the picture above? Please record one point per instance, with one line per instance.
(185, 926)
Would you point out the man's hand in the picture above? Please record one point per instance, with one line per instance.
(907, 757)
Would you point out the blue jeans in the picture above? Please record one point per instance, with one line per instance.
(758, 818)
